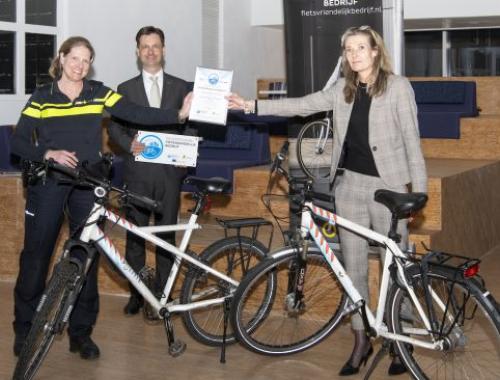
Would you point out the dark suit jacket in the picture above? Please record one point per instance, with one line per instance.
(174, 91)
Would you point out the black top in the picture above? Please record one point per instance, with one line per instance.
(358, 155)
(51, 121)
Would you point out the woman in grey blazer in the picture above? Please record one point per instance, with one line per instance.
(375, 124)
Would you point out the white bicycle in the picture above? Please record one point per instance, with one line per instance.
(209, 282)
(434, 309)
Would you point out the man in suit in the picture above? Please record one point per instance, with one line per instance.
(154, 88)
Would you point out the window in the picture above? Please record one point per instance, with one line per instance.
(8, 10)
(28, 40)
(41, 12)
(7, 63)
(423, 54)
(474, 52)
(39, 53)
(471, 52)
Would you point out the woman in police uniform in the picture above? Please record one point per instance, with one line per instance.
(62, 122)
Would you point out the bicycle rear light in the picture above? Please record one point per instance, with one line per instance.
(471, 271)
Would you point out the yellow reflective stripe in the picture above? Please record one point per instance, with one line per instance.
(85, 110)
(32, 112)
(46, 105)
(112, 100)
(36, 104)
(108, 94)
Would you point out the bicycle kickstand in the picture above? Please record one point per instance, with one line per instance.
(175, 346)
(224, 334)
(384, 350)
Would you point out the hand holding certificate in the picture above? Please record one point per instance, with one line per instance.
(209, 103)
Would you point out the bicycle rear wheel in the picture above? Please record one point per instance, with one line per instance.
(472, 342)
(314, 149)
(232, 256)
(47, 321)
(272, 325)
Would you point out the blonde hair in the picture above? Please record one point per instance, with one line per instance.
(55, 70)
(382, 67)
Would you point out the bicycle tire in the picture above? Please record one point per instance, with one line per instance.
(206, 324)
(278, 331)
(314, 149)
(46, 322)
(474, 341)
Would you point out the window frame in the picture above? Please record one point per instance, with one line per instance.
(446, 44)
(20, 28)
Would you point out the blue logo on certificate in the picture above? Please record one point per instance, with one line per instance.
(154, 147)
(213, 79)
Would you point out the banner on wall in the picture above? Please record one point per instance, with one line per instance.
(312, 32)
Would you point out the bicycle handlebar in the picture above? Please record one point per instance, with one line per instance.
(83, 177)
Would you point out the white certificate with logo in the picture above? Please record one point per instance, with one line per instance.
(166, 148)
(209, 95)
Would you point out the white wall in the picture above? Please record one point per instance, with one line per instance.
(252, 52)
(111, 26)
(428, 9)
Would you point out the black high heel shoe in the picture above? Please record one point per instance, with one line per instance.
(348, 369)
(397, 367)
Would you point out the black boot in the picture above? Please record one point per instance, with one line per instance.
(19, 343)
(85, 346)
(360, 354)
(133, 305)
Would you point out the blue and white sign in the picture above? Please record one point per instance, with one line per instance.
(166, 148)
(154, 146)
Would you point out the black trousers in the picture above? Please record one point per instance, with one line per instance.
(43, 219)
(167, 191)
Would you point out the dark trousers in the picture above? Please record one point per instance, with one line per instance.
(43, 219)
(167, 191)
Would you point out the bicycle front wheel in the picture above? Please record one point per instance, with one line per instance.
(314, 149)
(47, 321)
(275, 325)
(232, 256)
(466, 320)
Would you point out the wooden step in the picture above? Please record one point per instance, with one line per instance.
(479, 140)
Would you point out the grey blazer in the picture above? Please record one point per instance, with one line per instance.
(393, 128)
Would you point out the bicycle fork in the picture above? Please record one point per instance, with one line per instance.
(294, 301)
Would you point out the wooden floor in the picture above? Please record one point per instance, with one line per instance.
(132, 349)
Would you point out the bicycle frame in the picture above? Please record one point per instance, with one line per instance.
(309, 227)
(92, 232)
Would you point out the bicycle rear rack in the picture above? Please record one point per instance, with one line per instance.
(254, 223)
(465, 267)
(459, 269)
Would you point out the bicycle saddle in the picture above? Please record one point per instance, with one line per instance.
(401, 205)
(212, 185)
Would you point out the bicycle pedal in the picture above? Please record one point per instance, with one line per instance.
(177, 348)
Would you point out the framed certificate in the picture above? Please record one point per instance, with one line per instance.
(209, 95)
(166, 148)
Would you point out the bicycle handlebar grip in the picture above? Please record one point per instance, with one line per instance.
(74, 173)
(149, 203)
(322, 197)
